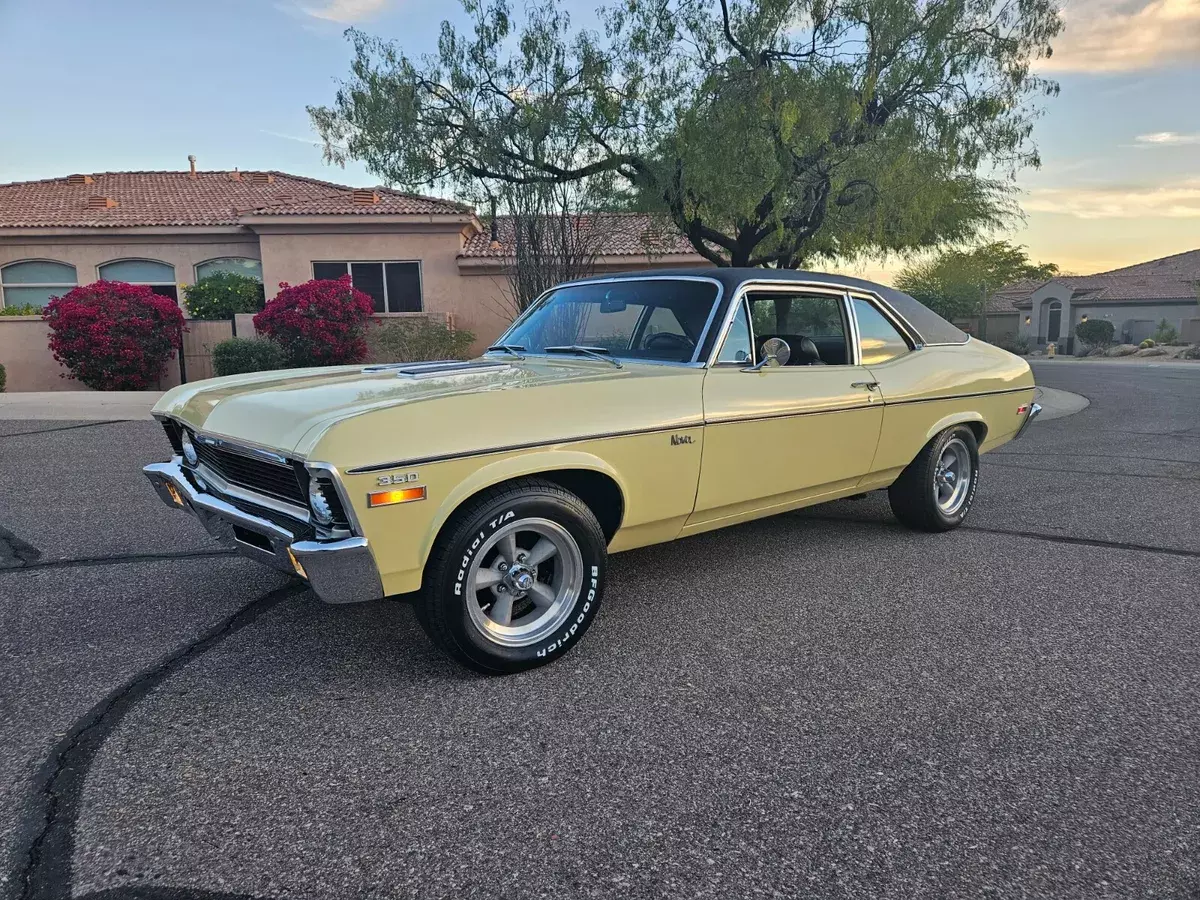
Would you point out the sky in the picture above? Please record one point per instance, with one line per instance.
(112, 85)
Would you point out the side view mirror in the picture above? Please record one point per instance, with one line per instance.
(774, 352)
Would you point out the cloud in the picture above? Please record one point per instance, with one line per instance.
(1166, 139)
(1126, 36)
(1180, 200)
(346, 11)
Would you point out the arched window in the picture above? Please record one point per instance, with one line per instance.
(33, 283)
(235, 264)
(1054, 325)
(158, 275)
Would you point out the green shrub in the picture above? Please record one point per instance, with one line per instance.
(417, 340)
(1148, 342)
(1166, 333)
(3, 378)
(223, 294)
(1095, 332)
(1015, 343)
(27, 310)
(1097, 351)
(238, 355)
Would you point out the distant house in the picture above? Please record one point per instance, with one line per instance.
(410, 253)
(1134, 298)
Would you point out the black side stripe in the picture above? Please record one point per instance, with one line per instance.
(602, 436)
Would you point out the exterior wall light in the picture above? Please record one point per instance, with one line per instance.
(1027, 320)
(1083, 319)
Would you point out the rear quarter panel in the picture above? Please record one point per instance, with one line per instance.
(938, 386)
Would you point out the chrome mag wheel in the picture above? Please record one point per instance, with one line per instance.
(952, 477)
(524, 581)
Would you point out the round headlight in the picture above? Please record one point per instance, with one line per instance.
(189, 449)
(318, 504)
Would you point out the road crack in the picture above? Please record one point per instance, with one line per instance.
(115, 559)
(47, 831)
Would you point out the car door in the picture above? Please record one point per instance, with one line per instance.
(776, 437)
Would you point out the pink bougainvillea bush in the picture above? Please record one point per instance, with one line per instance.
(114, 336)
(318, 323)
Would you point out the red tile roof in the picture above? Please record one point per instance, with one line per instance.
(175, 198)
(1170, 278)
(616, 234)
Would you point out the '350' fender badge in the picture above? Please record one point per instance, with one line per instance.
(396, 478)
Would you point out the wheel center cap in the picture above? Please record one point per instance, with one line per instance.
(520, 579)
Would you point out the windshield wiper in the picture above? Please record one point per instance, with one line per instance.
(514, 349)
(590, 352)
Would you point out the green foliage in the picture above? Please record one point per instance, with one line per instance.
(417, 339)
(1166, 333)
(771, 132)
(955, 284)
(3, 378)
(1148, 342)
(27, 309)
(222, 295)
(1095, 332)
(1015, 343)
(238, 355)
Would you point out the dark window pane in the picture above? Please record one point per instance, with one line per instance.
(328, 270)
(166, 290)
(368, 278)
(404, 287)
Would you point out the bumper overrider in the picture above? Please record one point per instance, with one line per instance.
(339, 571)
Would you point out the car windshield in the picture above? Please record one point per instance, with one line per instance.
(654, 319)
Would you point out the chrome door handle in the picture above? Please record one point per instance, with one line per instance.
(869, 385)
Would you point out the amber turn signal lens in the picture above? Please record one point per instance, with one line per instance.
(401, 495)
(174, 492)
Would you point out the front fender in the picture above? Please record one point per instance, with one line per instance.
(507, 469)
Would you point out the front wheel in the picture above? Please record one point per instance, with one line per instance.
(935, 491)
(516, 579)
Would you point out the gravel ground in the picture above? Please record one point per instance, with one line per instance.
(821, 704)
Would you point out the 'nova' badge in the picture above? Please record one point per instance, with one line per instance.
(677, 439)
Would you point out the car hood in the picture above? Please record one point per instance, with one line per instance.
(481, 402)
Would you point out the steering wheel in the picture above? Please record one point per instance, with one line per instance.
(667, 341)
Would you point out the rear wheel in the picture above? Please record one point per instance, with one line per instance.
(515, 579)
(935, 491)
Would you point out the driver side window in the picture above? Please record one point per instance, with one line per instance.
(814, 326)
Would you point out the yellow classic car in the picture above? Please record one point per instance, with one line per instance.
(616, 412)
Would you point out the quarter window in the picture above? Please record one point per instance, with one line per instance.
(878, 339)
(251, 268)
(34, 283)
(392, 286)
(158, 276)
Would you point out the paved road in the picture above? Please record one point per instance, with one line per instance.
(818, 705)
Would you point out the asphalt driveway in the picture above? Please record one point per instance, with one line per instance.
(817, 705)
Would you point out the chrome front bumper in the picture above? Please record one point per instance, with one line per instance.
(338, 571)
(1034, 409)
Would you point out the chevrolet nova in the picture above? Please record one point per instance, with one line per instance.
(615, 413)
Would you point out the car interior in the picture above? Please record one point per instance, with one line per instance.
(814, 327)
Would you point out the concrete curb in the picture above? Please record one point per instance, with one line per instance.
(1058, 404)
(78, 406)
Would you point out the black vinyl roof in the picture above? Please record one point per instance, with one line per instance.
(931, 327)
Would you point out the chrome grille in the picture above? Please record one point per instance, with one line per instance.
(273, 479)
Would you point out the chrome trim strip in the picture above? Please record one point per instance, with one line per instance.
(716, 304)
(241, 449)
(512, 448)
(955, 396)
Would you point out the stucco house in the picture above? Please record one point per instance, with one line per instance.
(411, 253)
(1134, 298)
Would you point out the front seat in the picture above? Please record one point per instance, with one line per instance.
(808, 353)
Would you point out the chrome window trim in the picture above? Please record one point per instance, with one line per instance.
(694, 362)
(335, 476)
(246, 450)
(773, 286)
